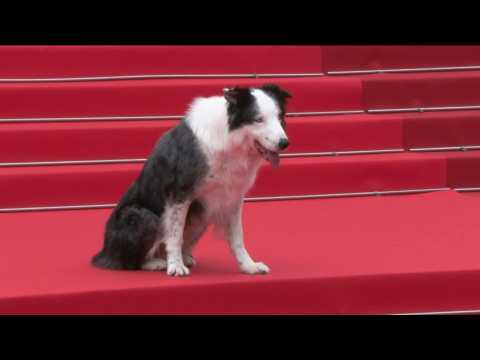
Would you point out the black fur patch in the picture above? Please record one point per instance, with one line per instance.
(241, 108)
(280, 96)
(170, 174)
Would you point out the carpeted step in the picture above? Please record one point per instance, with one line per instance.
(441, 129)
(172, 97)
(464, 170)
(395, 254)
(104, 184)
(354, 58)
(27, 142)
(105, 140)
(163, 97)
(397, 91)
(80, 61)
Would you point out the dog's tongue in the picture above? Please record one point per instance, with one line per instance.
(272, 157)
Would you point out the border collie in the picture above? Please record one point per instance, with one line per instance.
(197, 175)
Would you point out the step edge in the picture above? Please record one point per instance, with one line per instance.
(157, 76)
(247, 199)
(404, 70)
(288, 114)
(322, 154)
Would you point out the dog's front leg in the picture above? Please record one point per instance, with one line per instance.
(234, 232)
(173, 227)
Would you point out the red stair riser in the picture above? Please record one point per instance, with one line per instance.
(464, 171)
(27, 142)
(163, 97)
(75, 61)
(348, 58)
(422, 90)
(89, 184)
(455, 128)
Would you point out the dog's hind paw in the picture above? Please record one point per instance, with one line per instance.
(189, 261)
(155, 265)
(256, 268)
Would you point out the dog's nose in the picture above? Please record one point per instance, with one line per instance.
(283, 143)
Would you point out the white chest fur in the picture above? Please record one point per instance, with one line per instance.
(232, 163)
(228, 179)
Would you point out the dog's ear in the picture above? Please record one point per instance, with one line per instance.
(231, 95)
(276, 91)
(236, 95)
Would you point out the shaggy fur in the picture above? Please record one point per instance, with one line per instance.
(197, 175)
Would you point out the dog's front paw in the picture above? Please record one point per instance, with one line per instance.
(189, 261)
(255, 268)
(177, 269)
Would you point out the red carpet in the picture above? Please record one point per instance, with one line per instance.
(162, 97)
(97, 140)
(464, 171)
(361, 255)
(450, 128)
(395, 91)
(100, 184)
(387, 254)
(348, 58)
(80, 141)
(135, 139)
(78, 61)
(171, 97)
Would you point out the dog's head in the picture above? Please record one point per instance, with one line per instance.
(258, 114)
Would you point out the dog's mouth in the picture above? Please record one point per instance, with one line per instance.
(271, 156)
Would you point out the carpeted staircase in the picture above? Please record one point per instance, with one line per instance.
(374, 208)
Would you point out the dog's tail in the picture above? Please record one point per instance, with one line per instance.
(103, 260)
(128, 236)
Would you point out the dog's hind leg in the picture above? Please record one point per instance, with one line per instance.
(193, 232)
(195, 226)
(129, 232)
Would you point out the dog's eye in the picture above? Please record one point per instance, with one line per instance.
(258, 120)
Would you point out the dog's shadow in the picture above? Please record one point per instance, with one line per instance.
(206, 266)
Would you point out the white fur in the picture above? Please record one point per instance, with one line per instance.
(207, 119)
(234, 232)
(232, 160)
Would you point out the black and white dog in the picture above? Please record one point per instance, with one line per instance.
(197, 175)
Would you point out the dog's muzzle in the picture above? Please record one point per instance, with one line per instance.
(271, 156)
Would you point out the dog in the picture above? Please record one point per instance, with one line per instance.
(196, 176)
